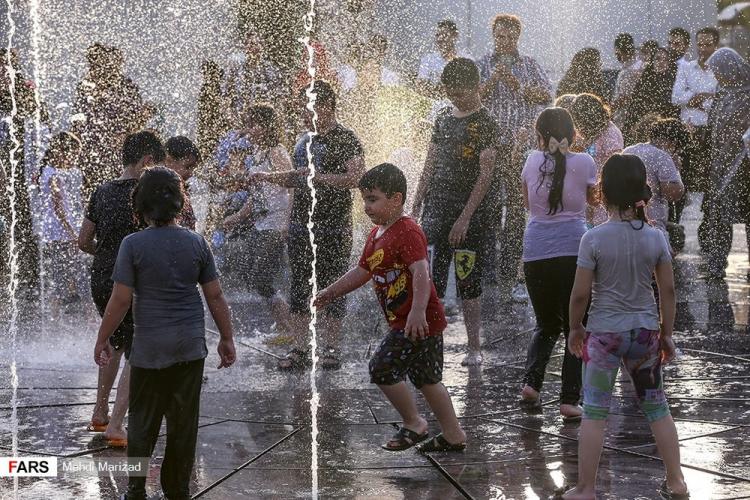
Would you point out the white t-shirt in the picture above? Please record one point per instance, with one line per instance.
(692, 80)
(274, 197)
(432, 64)
(347, 77)
(660, 169)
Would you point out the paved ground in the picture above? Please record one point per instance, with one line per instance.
(254, 439)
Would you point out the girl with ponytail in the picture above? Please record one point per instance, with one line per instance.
(556, 185)
(616, 262)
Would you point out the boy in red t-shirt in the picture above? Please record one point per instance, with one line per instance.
(395, 257)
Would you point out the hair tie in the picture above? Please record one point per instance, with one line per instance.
(640, 204)
(554, 145)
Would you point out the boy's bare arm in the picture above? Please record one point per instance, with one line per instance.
(427, 172)
(353, 279)
(416, 322)
(486, 167)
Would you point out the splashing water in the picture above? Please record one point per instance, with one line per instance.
(12, 251)
(308, 20)
(37, 78)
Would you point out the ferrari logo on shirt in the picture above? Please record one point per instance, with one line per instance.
(375, 259)
(464, 261)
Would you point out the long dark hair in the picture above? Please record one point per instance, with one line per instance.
(557, 123)
(624, 186)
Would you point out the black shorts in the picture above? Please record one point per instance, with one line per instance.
(397, 357)
(101, 290)
(334, 249)
(468, 258)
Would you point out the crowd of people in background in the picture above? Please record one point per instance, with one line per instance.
(510, 192)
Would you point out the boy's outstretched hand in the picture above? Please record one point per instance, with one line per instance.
(102, 353)
(416, 326)
(575, 340)
(323, 298)
(226, 353)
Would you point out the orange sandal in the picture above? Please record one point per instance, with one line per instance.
(97, 427)
(117, 442)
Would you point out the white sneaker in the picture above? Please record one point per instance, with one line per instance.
(472, 359)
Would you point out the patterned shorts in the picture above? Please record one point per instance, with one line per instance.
(638, 353)
(397, 357)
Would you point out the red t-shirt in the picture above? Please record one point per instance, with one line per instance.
(387, 259)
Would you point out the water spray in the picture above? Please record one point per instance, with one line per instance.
(37, 75)
(308, 20)
(12, 251)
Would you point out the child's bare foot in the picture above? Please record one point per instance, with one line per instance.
(115, 433)
(576, 494)
(409, 434)
(419, 425)
(99, 420)
(100, 415)
(529, 393)
(457, 436)
(570, 411)
(116, 436)
(675, 487)
(474, 358)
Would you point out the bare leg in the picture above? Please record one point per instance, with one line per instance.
(402, 400)
(107, 376)
(115, 428)
(440, 402)
(665, 435)
(529, 393)
(590, 441)
(473, 320)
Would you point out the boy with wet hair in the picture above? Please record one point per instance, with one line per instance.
(182, 157)
(109, 219)
(457, 175)
(395, 258)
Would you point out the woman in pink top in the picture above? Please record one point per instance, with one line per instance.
(556, 185)
(599, 137)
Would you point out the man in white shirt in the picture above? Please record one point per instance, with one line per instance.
(368, 67)
(693, 91)
(432, 64)
(627, 78)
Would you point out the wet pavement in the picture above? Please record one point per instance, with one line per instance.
(254, 439)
